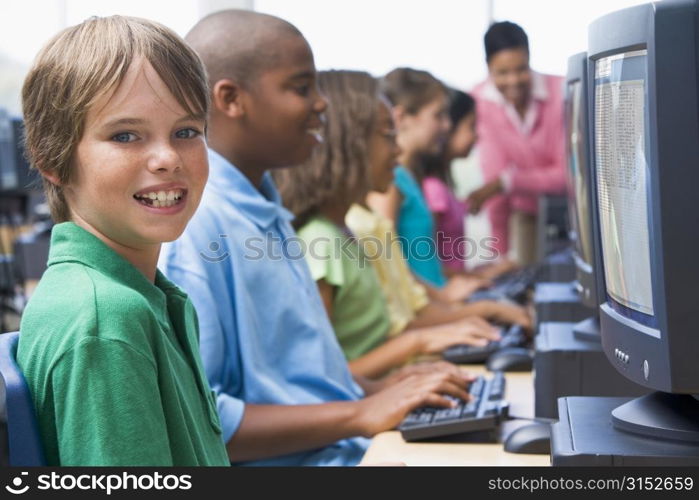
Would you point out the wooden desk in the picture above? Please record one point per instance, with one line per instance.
(390, 446)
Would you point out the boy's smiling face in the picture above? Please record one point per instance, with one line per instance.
(283, 108)
(138, 146)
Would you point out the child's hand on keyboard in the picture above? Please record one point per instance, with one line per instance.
(460, 287)
(471, 331)
(496, 269)
(427, 368)
(387, 408)
(510, 314)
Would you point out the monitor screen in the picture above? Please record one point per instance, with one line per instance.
(576, 141)
(621, 155)
(8, 147)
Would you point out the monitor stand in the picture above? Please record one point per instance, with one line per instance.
(585, 435)
(660, 415)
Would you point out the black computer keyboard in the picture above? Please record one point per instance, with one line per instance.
(512, 286)
(513, 336)
(525, 274)
(482, 413)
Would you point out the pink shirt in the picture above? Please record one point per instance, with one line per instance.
(449, 215)
(527, 153)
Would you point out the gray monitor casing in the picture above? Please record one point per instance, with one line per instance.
(668, 31)
(590, 279)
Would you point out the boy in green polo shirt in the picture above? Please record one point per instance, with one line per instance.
(115, 112)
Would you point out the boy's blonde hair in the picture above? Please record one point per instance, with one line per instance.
(80, 65)
(338, 170)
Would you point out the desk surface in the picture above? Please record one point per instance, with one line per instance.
(390, 446)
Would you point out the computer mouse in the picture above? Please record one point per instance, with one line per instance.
(510, 359)
(532, 438)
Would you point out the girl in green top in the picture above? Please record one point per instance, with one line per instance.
(115, 112)
(358, 152)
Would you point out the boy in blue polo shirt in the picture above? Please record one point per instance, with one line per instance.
(115, 110)
(285, 393)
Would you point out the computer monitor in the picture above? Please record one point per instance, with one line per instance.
(643, 83)
(581, 192)
(8, 168)
(582, 197)
(15, 176)
(28, 179)
(20, 187)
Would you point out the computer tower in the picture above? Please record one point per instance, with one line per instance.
(558, 302)
(558, 267)
(585, 436)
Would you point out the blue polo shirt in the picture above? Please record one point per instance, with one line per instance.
(265, 336)
(415, 227)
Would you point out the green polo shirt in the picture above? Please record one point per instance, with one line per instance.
(359, 314)
(112, 362)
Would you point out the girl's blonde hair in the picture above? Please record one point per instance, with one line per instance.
(411, 88)
(338, 170)
(80, 65)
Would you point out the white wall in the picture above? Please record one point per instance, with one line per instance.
(556, 29)
(442, 36)
(26, 25)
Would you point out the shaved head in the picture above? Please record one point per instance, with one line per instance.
(239, 44)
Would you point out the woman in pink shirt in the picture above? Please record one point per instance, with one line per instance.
(521, 140)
